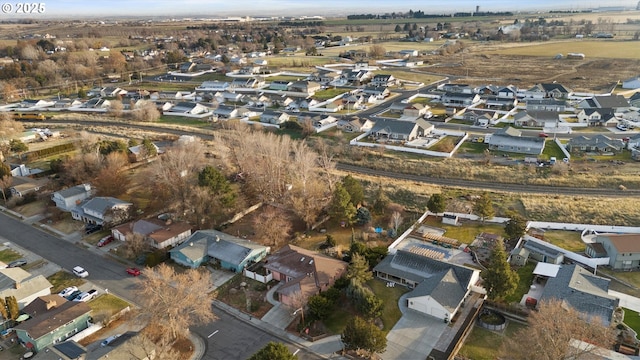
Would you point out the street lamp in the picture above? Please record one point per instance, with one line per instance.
(301, 309)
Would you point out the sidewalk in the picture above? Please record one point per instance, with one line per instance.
(326, 347)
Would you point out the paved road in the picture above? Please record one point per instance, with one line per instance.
(241, 340)
(103, 272)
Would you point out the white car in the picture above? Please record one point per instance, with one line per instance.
(86, 296)
(80, 272)
(109, 340)
(68, 291)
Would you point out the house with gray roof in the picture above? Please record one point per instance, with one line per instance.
(392, 129)
(383, 80)
(535, 118)
(459, 99)
(598, 143)
(101, 210)
(540, 252)
(439, 287)
(623, 250)
(226, 112)
(582, 290)
(69, 198)
(616, 102)
(227, 251)
(274, 117)
(548, 90)
(598, 117)
(556, 105)
(511, 140)
(631, 83)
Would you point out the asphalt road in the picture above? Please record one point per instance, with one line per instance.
(105, 273)
(239, 341)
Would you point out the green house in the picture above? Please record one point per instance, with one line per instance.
(53, 320)
(229, 252)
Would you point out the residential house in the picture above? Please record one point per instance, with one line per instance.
(415, 110)
(508, 92)
(596, 250)
(538, 251)
(23, 185)
(633, 142)
(35, 104)
(67, 350)
(623, 250)
(511, 140)
(226, 96)
(274, 117)
(69, 198)
(223, 250)
(323, 120)
(159, 234)
(67, 103)
(360, 76)
(246, 83)
(139, 152)
(634, 100)
(25, 287)
(617, 103)
(548, 104)
(585, 292)
(408, 52)
(19, 170)
(496, 102)
(191, 108)
(53, 319)
(598, 143)
(282, 85)
(226, 112)
(534, 118)
(487, 90)
(306, 87)
(392, 129)
(213, 86)
(457, 88)
(186, 67)
(101, 210)
(97, 103)
(439, 288)
(479, 118)
(249, 70)
(384, 80)
(598, 117)
(328, 77)
(459, 99)
(631, 83)
(355, 124)
(303, 272)
(379, 92)
(549, 90)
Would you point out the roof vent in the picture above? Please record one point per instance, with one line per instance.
(301, 260)
(311, 262)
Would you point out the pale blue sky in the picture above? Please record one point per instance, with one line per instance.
(204, 8)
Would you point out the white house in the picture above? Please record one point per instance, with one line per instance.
(100, 210)
(69, 198)
(632, 83)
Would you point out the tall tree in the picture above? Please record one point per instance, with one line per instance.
(359, 269)
(381, 201)
(483, 207)
(272, 226)
(499, 279)
(5, 183)
(9, 127)
(516, 226)
(171, 302)
(12, 307)
(341, 206)
(149, 148)
(17, 146)
(359, 334)
(550, 333)
(437, 203)
(212, 179)
(354, 188)
(3, 309)
(273, 351)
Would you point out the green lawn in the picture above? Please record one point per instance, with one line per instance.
(632, 319)
(472, 148)
(391, 313)
(327, 94)
(551, 149)
(107, 302)
(483, 344)
(569, 240)
(468, 231)
(526, 278)
(337, 320)
(180, 120)
(8, 255)
(63, 279)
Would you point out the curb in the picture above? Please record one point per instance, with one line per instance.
(199, 346)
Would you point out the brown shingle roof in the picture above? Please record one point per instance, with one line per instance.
(44, 321)
(625, 243)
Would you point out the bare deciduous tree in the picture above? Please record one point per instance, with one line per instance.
(171, 302)
(134, 245)
(272, 226)
(550, 332)
(5, 183)
(112, 180)
(9, 127)
(115, 108)
(146, 112)
(396, 221)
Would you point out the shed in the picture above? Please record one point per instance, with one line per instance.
(450, 219)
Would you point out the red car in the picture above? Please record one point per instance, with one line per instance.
(133, 271)
(105, 240)
(543, 135)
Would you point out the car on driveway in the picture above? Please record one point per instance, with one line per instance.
(68, 291)
(109, 340)
(86, 296)
(73, 295)
(17, 263)
(133, 271)
(80, 272)
(105, 240)
(91, 228)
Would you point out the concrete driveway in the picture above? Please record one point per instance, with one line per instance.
(413, 336)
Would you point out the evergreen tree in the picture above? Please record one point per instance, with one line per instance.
(354, 188)
(359, 269)
(381, 201)
(516, 226)
(363, 216)
(360, 334)
(436, 203)
(320, 306)
(273, 351)
(483, 207)
(499, 279)
(341, 206)
(212, 179)
(149, 147)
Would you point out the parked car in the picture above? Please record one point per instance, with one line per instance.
(105, 240)
(133, 271)
(91, 228)
(80, 272)
(86, 296)
(17, 263)
(68, 291)
(109, 340)
(73, 295)
(543, 135)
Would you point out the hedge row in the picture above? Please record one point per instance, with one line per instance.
(54, 150)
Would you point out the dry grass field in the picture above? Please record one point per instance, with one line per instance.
(601, 48)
